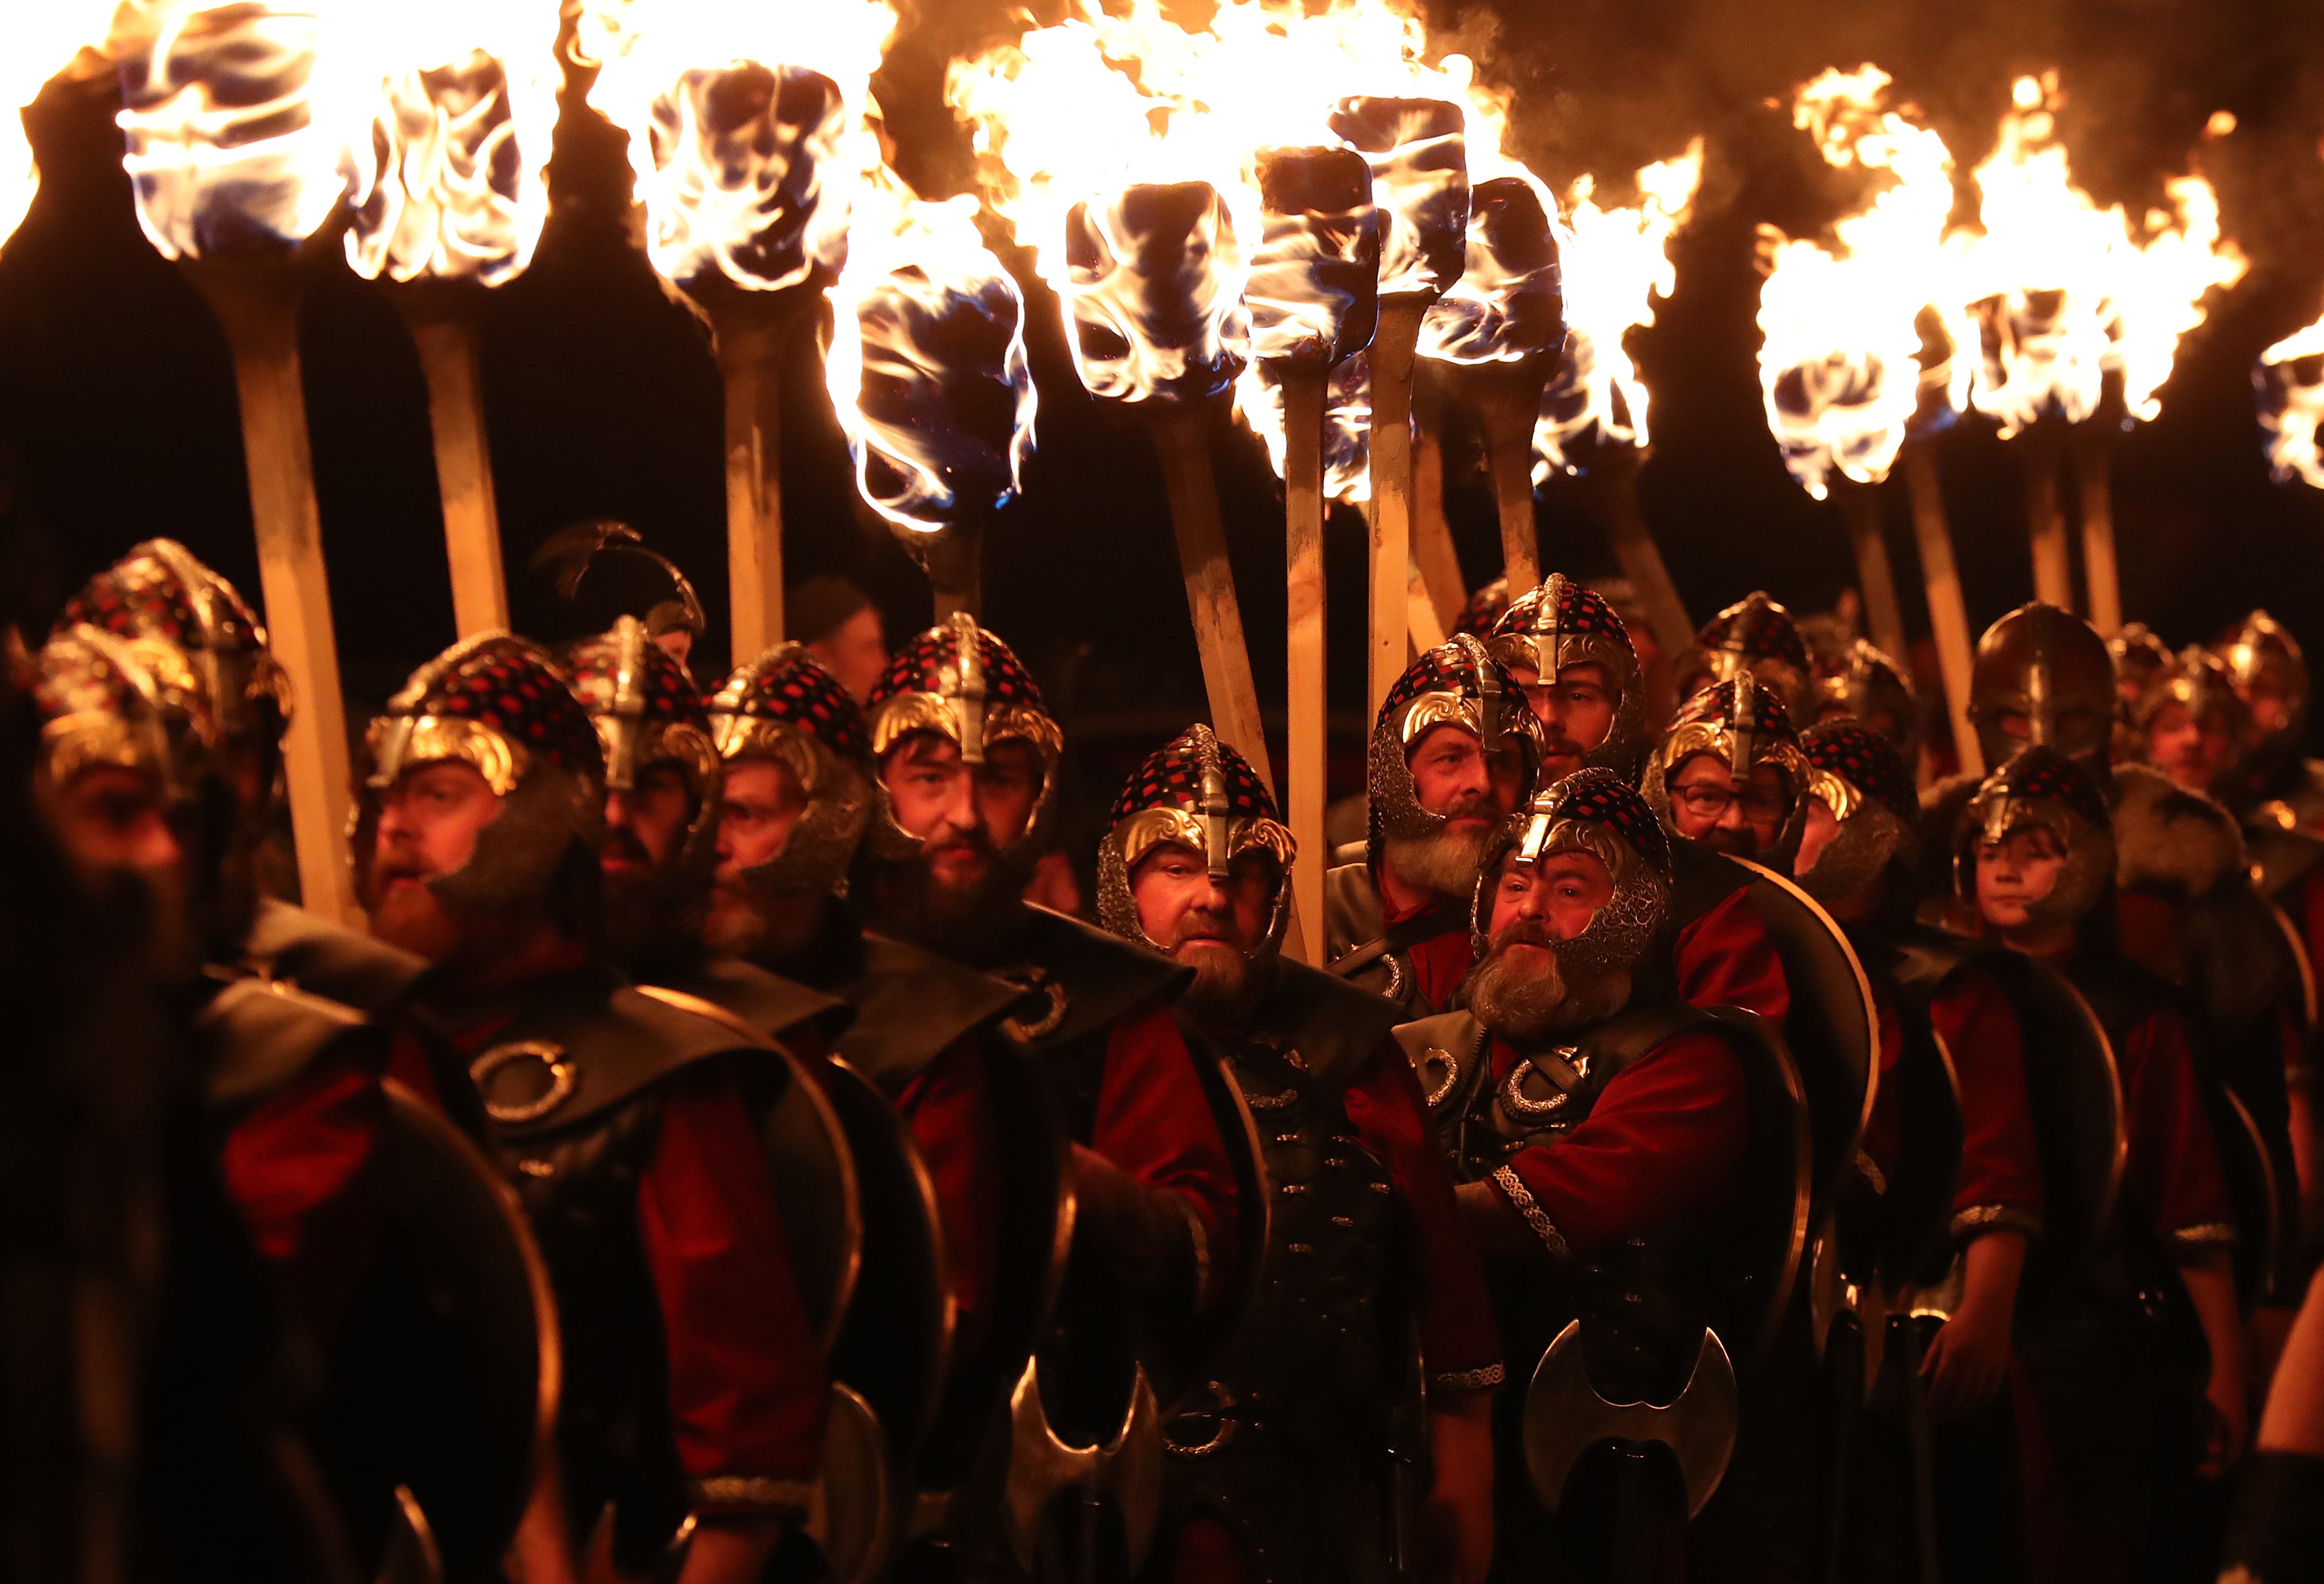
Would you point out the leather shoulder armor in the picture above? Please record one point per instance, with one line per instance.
(767, 1003)
(1445, 1051)
(1921, 957)
(259, 1035)
(566, 1058)
(289, 943)
(912, 1004)
(1077, 979)
(1333, 1026)
(1352, 909)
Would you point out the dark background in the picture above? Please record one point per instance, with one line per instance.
(118, 420)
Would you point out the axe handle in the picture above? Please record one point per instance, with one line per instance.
(1909, 1342)
(1843, 1368)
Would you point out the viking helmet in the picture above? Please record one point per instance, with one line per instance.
(132, 704)
(498, 703)
(1483, 612)
(1561, 623)
(1861, 778)
(647, 712)
(1593, 811)
(1746, 725)
(1455, 683)
(784, 706)
(964, 683)
(1862, 683)
(2051, 667)
(1755, 638)
(1201, 794)
(2043, 786)
(2262, 654)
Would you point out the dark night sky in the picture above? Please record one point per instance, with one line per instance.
(117, 416)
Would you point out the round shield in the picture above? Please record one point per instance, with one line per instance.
(819, 1194)
(443, 1379)
(1832, 1027)
(2255, 1195)
(2074, 1090)
(893, 1347)
(1916, 1211)
(1756, 1262)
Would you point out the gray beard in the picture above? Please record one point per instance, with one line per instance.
(1526, 1005)
(1445, 864)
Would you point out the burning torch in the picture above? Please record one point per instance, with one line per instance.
(461, 133)
(237, 123)
(1419, 151)
(2288, 379)
(744, 128)
(1313, 301)
(1498, 332)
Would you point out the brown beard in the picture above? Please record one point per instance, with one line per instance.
(968, 924)
(1222, 978)
(1540, 998)
(1445, 864)
(768, 930)
(415, 919)
(652, 917)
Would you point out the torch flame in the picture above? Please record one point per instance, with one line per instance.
(2290, 378)
(242, 120)
(746, 126)
(1838, 361)
(1615, 264)
(2064, 290)
(1506, 304)
(42, 42)
(926, 365)
(462, 127)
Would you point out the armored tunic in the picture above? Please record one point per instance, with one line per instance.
(1416, 959)
(1291, 1446)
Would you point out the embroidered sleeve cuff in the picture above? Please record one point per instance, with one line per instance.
(749, 1495)
(1514, 1188)
(1469, 1380)
(2188, 1242)
(1979, 1219)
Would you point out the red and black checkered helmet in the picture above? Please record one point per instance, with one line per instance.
(161, 590)
(1754, 637)
(1456, 683)
(962, 683)
(502, 705)
(1594, 811)
(1203, 795)
(1860, 776)
(784, 707)
(2043, 786)
(1746, 725)
(647, 712)
(1483, 610)
(1561, 623)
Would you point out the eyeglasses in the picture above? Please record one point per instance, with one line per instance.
(1708, 802)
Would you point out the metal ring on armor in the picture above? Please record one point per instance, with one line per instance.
(562, 1079)
(1514, 1097)
(1436, 1054)
(1025, 1030)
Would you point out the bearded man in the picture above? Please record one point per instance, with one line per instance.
(626, 1121)
(1602, 1132)
(1279, 1469)
(965, 760)
(1453, 752)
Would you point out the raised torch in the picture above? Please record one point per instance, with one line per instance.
(1313, 304)
(243, 171)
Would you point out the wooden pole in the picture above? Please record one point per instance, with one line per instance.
(1438, 590)
(2094, 457)
(1506, 396)
(1182, 438)
(1948, 614)
(1874, 578)
(1303, 508)
(954, 559)
(1612, 481)
(753, 331)
(1392, 491)
(2045, 517)
(441, 317)
(257, 306)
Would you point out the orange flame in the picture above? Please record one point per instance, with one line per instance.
(1615, 263)
(42, 42)
(1838, 361)
(746, 127)
(2066, 292)
(926, 365)
(466, 109)
(2290, 378)
(243, 121)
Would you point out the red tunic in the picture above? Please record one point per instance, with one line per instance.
(1664, 1142)
(1441, 963)
(1458, 1338)
(1726, 958)
(948, 1107)
(2001, 1163)
(2172, 1180)
(1154, 1121)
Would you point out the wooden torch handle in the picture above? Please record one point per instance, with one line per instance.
(749, 362)
(1875, 577)
(449, 358)
(260, 316)
(1392, 357)
(1437, 590)
(2093, 457)
(2045, 517)
(1303, 509)
(1507, 400)
(1948, 614)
